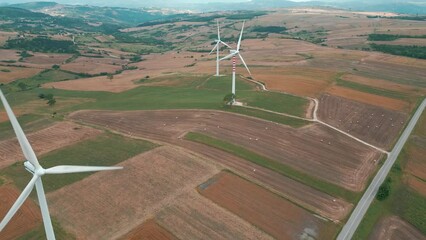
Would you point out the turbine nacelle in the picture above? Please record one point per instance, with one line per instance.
(29, 167)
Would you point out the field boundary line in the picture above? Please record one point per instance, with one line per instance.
(315, 117)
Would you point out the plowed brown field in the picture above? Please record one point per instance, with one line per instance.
(27, 217)
(367, 98)
(264, 209)
(375, 125)
(317, 150)
(149, 230)
(125, 199)
(394, 228)
(56, 136)
(196, 217)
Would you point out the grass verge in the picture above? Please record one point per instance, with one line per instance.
(39, 233)
(273, 165)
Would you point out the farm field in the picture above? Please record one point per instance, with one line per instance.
(394, 228)
(10, 74)
(378, 126)
(94, 65)
(245, 130)
(196, 217)
(26, 219)
(153, 180)
(269, 212)
(59, 135)
(135, 88)
(401, 214)
(149, 230)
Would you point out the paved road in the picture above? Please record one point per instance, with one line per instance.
(363, 205)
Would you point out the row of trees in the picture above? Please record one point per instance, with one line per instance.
(401, 50)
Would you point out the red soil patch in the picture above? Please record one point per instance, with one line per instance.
(367, 98)
(417, 184)
(27, 218)
(317, 150)
(264, 209)
(394, 228)
(149, 230)
(127, 198)
(416, 163)
(94, 65)
(15, 73)
(196, 217)
(56, 136)
(373, 124)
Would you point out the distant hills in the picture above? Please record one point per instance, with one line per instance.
(398, 6)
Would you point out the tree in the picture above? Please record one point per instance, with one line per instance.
(51, 102)
(42, 96)
(56, 66)
(110, 76)
(229, 98)
(48, 96)
(22, 86)
(384, 190)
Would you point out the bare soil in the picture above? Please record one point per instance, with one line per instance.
(196, 217)
(372, 124)
(367, 98)
(59, 135)
(269, 212)
(27, 218)
(149, 230)
(316, 150)
(394, 228)
(125, 199)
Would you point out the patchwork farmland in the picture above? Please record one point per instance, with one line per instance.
(313, 122)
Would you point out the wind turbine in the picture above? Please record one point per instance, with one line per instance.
(234, 54)
(32, 165)
(217, 47)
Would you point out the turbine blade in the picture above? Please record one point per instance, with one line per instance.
(78, 169)
(229, 56)
(241, 36)
(47, 222)
(224, 43)
(218, 30)
(215, 46)
(244, 62)
(21, 199)
(20, 135)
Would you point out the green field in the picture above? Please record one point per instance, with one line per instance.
(271, 164)
(29, 123)
(39, 233)
(105, 150)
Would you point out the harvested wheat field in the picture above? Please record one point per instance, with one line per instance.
(46, 60)
(394, 228)
(149, 230)
(302, 81)
(195, 217)
(367, 98)
(271, 213)
(28, 216)
(375, 125)
(94, 65)
(10, 74)
(330, 207)
(8, 55)
(127, 198)
(56, 136)
(382, 84)
(316, 150)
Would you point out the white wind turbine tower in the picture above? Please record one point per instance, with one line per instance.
(234, 54)
(32, 165)
(217, 47)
